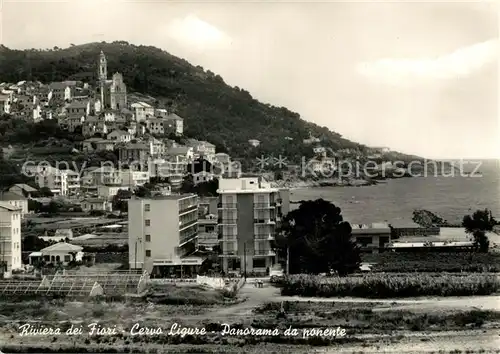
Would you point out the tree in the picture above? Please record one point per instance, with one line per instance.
(120, 200)
(142, 192)
(477, 225)
(45, 192)
(317, 239)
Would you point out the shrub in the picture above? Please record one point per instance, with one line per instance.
(382, 285)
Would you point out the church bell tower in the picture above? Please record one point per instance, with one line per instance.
(103, 75)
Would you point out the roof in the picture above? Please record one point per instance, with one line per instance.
(8, 206)
(431, 244)
(62, 247)
(78, 104)
(58, 85)
(119, 132)
(10, 196)
(35, 254)
(94, 200)
(132, 146)
(402, 224)
(84, 237)
(140, 104)
(180, 150)
(93, 140)
(25, 187)
(104, 169)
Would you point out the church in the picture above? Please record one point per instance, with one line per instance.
(113, 93)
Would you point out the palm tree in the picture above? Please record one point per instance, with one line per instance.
(477, 225)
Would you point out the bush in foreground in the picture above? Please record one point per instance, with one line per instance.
(382, 285)
(451, 262)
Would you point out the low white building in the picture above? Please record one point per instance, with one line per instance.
(99, 204)
(59, 253)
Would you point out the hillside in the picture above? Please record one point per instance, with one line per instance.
(214, 111)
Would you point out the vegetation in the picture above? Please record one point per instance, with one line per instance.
(317, 240)
(451, 262)
(382, 285)
(226, 116)
(477, 225)
(426, 218)
(204, 189)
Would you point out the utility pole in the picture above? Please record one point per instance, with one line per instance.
(245, 258)
(287, 260)
(135, 257)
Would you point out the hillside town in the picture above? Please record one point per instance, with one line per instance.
(135, 203)
(171, 219)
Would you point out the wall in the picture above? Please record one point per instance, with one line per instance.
(163, 229)
(245, 221)
(216, 283)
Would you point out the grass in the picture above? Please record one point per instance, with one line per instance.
(380, 285)
(364, 317)
(357, 318)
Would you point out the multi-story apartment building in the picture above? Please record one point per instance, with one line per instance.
(162, 229)
(249, 211)
(135, 155)
(16, 200)
(142, 111)
(60, 182)
(10, 237)
(131, 178)
(107, 176)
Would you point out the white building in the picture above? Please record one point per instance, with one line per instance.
(131, 178)
(10, 237)
(60, 182)
(161, 229)
(109, 192)
(142, 111)
(249, 211)
(119, 136)
(59, 253)
(15, 200)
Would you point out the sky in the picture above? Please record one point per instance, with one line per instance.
(420, 78)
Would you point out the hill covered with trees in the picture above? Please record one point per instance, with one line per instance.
(214, 111)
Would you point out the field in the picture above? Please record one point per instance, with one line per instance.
(380, 285)
(397, 262)
(369, 326)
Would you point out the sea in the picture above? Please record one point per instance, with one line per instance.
(451, 197)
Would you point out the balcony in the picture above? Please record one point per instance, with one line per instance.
(5, 224)
(229, 238)
(265, 221)
(226, 221)
(229, 254)
(188, 209)
(188, 224)
(264, 237)
(226, 206)
(263, 206)
(264, 253)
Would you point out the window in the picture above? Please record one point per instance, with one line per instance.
(147, 222)
(148, 238)
(67, 258)
(147, 207)
(148, 253)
